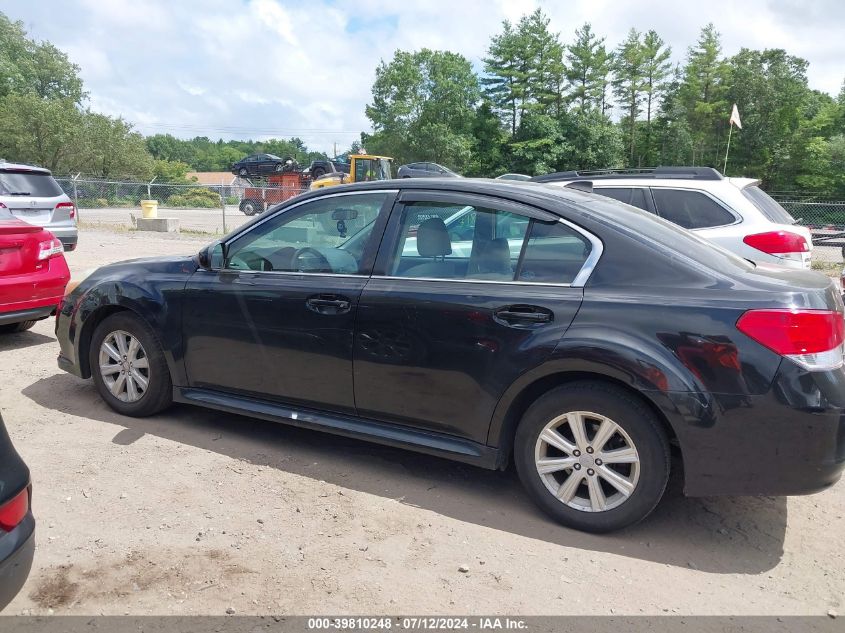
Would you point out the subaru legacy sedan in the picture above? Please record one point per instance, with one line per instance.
(606, 341)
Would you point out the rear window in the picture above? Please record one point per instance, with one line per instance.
(767, 205)
(690, 209)
(28, 183)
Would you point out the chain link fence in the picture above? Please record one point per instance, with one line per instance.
(199, 207)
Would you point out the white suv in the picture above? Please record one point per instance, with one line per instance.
(732, 212)
(33, 195)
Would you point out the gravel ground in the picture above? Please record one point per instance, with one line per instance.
(203, 220)
(196, 512)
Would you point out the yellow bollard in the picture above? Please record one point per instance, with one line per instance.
(149, 209)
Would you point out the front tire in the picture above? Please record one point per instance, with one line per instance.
(128, 366)
(593, 456)
(242, 172)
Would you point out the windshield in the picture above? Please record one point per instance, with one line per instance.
(767, 205)
(28, 183)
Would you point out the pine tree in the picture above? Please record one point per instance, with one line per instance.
(507, 77)
(544, 57)
(628, 82)
(656, 68)
(587, 66)
(702, 95)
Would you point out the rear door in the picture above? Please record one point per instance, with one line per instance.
(31, 195)
(443, 331)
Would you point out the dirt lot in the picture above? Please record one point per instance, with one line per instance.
(194, 512)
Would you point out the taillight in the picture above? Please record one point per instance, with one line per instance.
(12, 512)
(49, 248)
(67, 205)
(811, 338)
(783, 244)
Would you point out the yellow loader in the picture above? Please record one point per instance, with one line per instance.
(362, 168)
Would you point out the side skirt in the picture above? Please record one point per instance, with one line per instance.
(437, 444)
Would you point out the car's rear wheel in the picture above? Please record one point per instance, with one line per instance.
(128, 366)
(593, 456)
(11, 328)
(318, 172)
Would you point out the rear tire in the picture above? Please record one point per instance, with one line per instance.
(11, 328)
(318, 172)
(592, 481)
(249, 207)
(123, 332)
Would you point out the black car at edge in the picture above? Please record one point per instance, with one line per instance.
(17, 525)
(485, 321)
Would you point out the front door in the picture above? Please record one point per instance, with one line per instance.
(468, 293)
(276, 320)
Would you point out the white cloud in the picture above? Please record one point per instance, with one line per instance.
(256, 68)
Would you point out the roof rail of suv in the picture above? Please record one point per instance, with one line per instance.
(681, 173)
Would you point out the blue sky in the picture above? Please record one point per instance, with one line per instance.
(262, 68)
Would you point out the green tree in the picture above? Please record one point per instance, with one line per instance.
(507, 74)
(701, 94)
(110, 149)
(45, 132)
(656, 68)
(628, 83)
(588, 64)
(423, 107)
(39, 68)
(488, 143)
(545, 64)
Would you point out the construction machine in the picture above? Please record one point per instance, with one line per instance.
(362, 168)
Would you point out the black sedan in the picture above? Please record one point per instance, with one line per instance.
(488, 321)
(261, 165)
(425, 170)
(17, 526)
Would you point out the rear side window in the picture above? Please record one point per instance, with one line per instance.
(554, 254)
(690, 209)
(629, 195)
(28, 183)
(767, 205)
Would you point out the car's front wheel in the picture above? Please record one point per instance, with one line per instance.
(242, 172)
(592, 456)
(128, 366)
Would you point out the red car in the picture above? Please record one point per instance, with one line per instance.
(33, 274)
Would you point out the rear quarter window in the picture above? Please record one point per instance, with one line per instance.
(28, 183)
(767, 205)
(690, 209)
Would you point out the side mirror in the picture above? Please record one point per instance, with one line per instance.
(212, 256)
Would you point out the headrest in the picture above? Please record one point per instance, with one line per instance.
(433, 239)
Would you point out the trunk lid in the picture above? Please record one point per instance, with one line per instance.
(19, 243)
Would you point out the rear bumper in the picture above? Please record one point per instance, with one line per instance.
(789, 441)
(69, 237)
(17, 549)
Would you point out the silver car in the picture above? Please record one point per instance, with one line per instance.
(33, 195)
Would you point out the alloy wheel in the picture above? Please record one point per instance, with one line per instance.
(587, 461)
(124, 366)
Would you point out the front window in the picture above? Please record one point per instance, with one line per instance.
(323, 236)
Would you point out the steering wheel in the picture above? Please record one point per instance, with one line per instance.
(309, 260)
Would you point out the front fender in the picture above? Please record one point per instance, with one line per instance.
(156, 298)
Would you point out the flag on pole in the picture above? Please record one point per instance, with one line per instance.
(734, 120)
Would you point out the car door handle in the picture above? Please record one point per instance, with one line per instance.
(522, 315)
(328, 304)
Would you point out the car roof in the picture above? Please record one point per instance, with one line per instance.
(5, 166)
